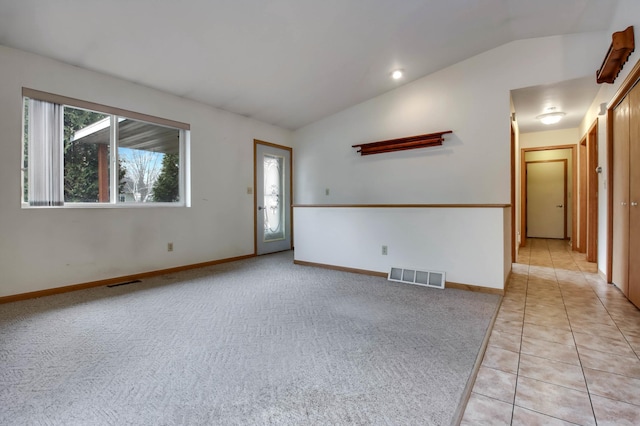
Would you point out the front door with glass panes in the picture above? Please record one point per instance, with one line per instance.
(273, 197)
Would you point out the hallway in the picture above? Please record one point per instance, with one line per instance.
(564, 348)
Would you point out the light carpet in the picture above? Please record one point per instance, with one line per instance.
(259, 341)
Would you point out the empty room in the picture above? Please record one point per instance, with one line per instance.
(298, 212)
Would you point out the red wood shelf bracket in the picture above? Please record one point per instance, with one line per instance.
(622, 44)
(411, 142)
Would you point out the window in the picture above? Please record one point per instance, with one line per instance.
(76, 152)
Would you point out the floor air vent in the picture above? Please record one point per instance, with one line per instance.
(415, 276)
(128, 282)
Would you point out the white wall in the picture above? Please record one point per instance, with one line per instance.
(506, 245)
(627, 13)
(550, 138)
(441, 239)
(47, 248)
(471, 98)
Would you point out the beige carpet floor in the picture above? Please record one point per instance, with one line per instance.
(259, 341)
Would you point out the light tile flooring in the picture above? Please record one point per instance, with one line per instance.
(564, 349)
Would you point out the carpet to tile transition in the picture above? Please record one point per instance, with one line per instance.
(259, 341)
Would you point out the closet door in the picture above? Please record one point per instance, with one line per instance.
(634, 196)
(620, 258)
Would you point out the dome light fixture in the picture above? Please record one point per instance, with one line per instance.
(551, 117)
(397, 74)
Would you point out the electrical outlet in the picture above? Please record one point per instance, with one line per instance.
(326, 191)
(169, 246)
(384, 250)
(249, 190)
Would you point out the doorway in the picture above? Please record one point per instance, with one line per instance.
(546, 199)
(272, 197)
(568, 209)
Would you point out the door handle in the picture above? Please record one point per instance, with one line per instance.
(623, 203)
(559, 206)
(261, 208)
(634, 204)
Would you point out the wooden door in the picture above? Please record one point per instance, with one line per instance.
(634, 196)
(546, 199)
(620, 246)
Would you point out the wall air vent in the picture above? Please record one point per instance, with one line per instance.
(418, 277)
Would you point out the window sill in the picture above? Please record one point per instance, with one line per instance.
(106, 206)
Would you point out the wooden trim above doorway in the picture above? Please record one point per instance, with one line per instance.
(407, 206)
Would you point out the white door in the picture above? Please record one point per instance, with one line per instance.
(546, 197)
(273, 198)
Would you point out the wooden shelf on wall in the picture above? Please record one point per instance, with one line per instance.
(402, 144)
(622, 44)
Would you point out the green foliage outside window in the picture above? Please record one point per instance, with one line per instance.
(81, 159)
(166, 188)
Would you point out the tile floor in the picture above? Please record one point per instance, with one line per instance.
(564, 348)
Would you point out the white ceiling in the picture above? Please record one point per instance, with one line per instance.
(285, 62)
(573, 97)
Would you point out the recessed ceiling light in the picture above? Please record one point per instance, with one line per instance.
(397, 74)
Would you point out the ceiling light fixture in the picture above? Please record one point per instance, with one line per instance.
(550, 117)
(397, 74)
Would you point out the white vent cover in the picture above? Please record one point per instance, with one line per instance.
(416, 276)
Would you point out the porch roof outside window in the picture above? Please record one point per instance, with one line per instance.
(132, 134)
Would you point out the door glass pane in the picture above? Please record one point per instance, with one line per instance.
(273, 198)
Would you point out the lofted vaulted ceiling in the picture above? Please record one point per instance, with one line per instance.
(285, 62)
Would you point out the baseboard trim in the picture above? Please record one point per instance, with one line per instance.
(475, 288)
(466, 394)
(603, 276)
(506, 282)
(341, 268)
(116, 280)
(448, 284)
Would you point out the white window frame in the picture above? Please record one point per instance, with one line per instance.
(114, 113)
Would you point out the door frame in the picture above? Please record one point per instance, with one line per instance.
(592, 193)
(588, 195)
(257, 142)
(632, 79)
(523, 189)
(581, 242)
(514, 238)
